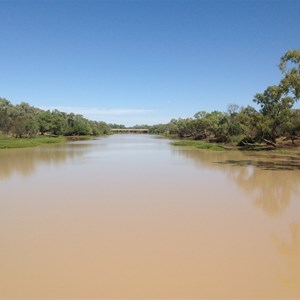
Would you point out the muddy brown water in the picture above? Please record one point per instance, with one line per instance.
(132, 217)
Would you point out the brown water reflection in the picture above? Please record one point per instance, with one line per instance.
(26, 161)
(290, 250)
(270, 180)
(131, 217)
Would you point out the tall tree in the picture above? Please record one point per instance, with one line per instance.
(24, 120)
(276, 111)
(290, 67)
(5, 115)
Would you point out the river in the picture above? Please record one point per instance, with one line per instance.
(133, 217)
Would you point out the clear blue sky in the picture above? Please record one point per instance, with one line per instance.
(135, 62)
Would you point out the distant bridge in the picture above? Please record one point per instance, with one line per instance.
(130, 130)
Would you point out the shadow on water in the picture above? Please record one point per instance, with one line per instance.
(271, 181)
(25, 161)
(273, 162)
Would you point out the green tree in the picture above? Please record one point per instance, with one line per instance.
(59, 122)
(44, 119)
(276, 111)
(214, 123)
(24, 120)
(78, 125)
(5, 115)
(201, 125)
(290, 67)
(234, 124)
(292, 127)
(186, 128)
(248, 118)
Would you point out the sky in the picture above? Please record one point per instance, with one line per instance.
(143, 61)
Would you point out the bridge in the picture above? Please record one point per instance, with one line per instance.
(130, 130)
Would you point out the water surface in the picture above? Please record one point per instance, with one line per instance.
(132, 217)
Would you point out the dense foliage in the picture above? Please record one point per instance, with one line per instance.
(23, 120)
(239, 125)
(245, 125)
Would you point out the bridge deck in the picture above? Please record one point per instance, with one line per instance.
(130, 130)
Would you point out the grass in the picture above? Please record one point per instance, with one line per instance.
(74, 138)
(9, 142)
(287, 152)
(282, 151)
(199, 145)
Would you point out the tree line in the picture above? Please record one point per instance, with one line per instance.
(246, 125)
(239, 125)
(23, 120)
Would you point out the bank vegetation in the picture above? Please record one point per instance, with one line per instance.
(23, 125)
(275, 123)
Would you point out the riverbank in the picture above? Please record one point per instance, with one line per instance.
(75, 138)
(7, 142)
(10, 142)
(283, 148)
(199, 145)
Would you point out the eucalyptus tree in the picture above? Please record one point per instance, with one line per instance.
(24, 122)
(234, 123)
(45, 119)
(248, 118)
(276, 109)
(5, 115)
(186, 128)
(59, 122)
(292, 127)
(276, 102)
(201, 124)
(290, 67)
